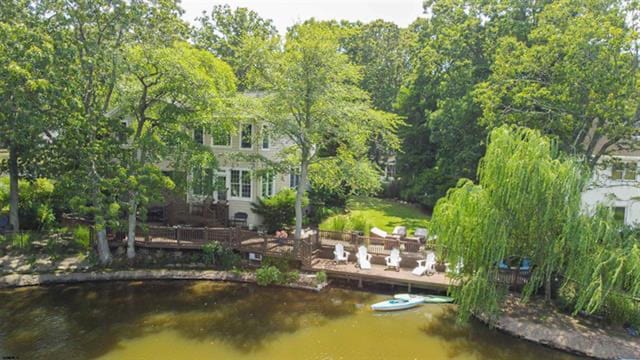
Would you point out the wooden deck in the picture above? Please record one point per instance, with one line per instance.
(379, 274)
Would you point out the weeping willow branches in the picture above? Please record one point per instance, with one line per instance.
(527, 204)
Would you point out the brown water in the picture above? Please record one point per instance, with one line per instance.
(198, 320)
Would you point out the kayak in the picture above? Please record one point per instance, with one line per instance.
(432, 299)
(397, 304)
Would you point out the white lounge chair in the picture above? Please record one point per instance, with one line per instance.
(378, 232)
(421, 233)
(399, 231)
(393, 260)
(340, 254)
(364, 258)
(426, 265)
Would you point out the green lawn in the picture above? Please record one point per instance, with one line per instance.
(384, 214)
(4, 154)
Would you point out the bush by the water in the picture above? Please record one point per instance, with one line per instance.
(321, 277)
(82, 237)
(268, 275)
(216, 254)
(276, 271)
(36, 202)
(278, 211)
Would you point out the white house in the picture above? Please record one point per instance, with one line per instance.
(239, 180)
(615, 184)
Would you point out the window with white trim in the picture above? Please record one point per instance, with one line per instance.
(265, 138)
(267, 182)
(246, 136)
(619, 214)
(221, 187)
(294, 180)
(622, 170)
(240, 184)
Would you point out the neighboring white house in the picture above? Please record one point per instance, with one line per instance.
(615, 184)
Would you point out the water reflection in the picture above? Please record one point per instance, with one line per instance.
(212, 319)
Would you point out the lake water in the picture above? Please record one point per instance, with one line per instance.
(210, 320)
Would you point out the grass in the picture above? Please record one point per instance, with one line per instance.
(383, 213)
(4, 154)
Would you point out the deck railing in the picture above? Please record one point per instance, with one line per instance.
(375, 244)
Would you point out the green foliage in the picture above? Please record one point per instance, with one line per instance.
(267, 275)
(520, 175)
(36, 202)
(321, 277)
(210, 251)
(314, 101)
(216, 254)
(367, 212)
(239, 37)
(82, 237)
(276, 271)
(574, 76)
(21, 240)
(278, 211)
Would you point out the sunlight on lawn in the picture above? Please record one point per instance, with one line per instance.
(385, 213)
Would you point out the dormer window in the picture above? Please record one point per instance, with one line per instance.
(624, 171)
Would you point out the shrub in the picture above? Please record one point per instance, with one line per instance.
(227, 259)
(21, 240)
(36, 207)
(321, 277)
(82, 237)
(216, 254)
(289, 277)
(267, 275)
(360, 223)
(278, 211)
(210, 252)
(340, 223)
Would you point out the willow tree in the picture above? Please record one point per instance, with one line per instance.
(526, 203)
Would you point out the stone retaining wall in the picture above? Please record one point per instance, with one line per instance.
(18, 280)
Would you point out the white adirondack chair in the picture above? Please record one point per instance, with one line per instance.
(458, 267)
(340, 254)
(426, 265)
(393, 260)
(364, 258)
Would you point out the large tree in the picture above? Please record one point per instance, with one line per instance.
(240, 37)
(316, 105)
(522, 174)
(28, 83)
(453, 53)
(575, 76)
(167, 90)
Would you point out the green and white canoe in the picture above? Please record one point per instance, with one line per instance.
(430, 299)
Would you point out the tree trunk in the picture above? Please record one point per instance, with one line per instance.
(103, 247)
(547, 287)
(299, 196)
(14, 219)
(104, 254)
(131, 236)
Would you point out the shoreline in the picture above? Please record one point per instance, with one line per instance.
(9, 281)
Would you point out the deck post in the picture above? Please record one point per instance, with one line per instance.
(178, 235)
(359, 282)
(409, 288)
